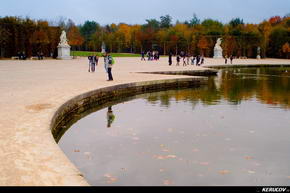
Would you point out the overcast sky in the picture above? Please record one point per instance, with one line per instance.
(137, 11)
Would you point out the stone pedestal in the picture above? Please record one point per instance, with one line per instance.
(64, 52)
(218, 53)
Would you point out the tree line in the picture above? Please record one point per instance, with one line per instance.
(193, 36)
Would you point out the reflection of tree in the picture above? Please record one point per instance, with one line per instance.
(269, 85)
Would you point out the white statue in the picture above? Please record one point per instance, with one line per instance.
(218, 51)
(63, 39)
(103, 48)
(258, 53)
(63, 48)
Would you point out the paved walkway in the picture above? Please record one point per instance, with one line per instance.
(31, 92)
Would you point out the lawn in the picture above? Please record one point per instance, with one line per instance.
(86, 53)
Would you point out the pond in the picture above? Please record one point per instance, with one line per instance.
(235, 131)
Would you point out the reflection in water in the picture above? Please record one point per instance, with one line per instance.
(226, 133)
(110, 117)
(269, 85)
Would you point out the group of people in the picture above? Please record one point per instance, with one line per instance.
(21, 56)
(151, 55)
(231, 59)
(108, 64)
(187, 59)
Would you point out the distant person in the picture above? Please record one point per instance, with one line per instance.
(110, 117)
(143, 56)
(231, 58)
(197, 60)
(177, 60)
(192, 60)
(226, 59)
(91, 64)
(184, 59)
(188, 59)
(202, 60)
(41, 55)
(170, 59)
(109, 62)
(149, 55)
(24, 56)
(19, 55)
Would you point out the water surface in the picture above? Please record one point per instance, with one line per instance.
(234, 131)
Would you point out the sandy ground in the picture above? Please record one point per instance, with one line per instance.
(32, 91)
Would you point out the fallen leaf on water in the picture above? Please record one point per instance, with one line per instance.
(167, 182)
(110, 178)
(223, 172)
(204, 163)
(160, 157)
(171, 156)
(88, 155)
(248, 157)
(170, 130)
(251, 172)
(76, 150)
(257, 164)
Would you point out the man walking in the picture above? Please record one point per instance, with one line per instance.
(109, 61)
(170, 59)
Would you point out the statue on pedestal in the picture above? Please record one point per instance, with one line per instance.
(218, 51)
(63, 47)
(103, 48)
(258, 53)
(63, 39)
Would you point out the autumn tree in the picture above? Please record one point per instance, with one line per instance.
(202, 45)
(74, 36)
(286, 49)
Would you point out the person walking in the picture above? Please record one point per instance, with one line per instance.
(192, 60)
(197, 60)
(177, 60)
(202, 60)
(226, 59)
(231, 58)
(109, 61)
(143, 56)
(90, 58)
(170, 59)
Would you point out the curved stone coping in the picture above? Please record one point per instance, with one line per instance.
(246, 66)
(204, 72)
(79, 104)
(64, 116)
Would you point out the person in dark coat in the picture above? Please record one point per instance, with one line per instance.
(170, 59)
(177, 60)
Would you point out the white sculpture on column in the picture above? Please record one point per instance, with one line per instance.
(103, 48)
(63, 48)
(218, 51)
(258, 53)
